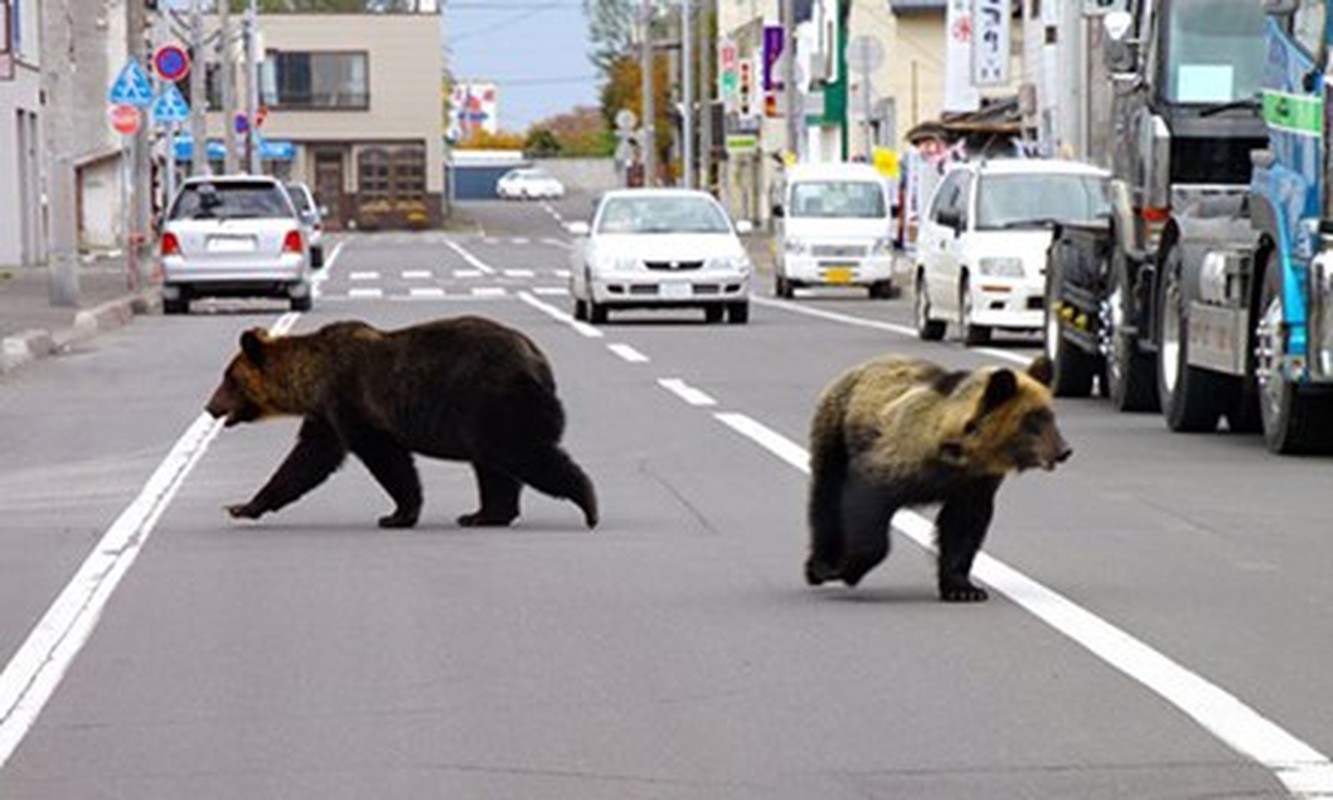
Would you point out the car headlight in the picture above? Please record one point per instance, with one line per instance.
(795, 247)
(1009, 267)
(615, 263)
(732, 263)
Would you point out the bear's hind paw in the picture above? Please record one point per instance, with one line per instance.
(482, 519)
(243, 511)
(963, 593)
(398, 520)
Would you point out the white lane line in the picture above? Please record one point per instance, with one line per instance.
(848, 319)
(628, 353)
(426, 291)
(1305, 772)
(323, 273)
(519, 273)
(364, 275)
(551, 311)
(550, 290)
(472, 260)
(488, 291)
(365, 292)
(417, 274)
(686, 392)
(34, 672)
(468, 273)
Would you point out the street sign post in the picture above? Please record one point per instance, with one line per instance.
(124, 118)
(171, 62)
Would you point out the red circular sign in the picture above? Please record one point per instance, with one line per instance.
(171, 62)
(125, 119)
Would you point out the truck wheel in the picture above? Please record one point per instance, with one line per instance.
(1293, 422)
(972, 334)
(1192, 398)
(1073, 368)
(929, 330)
(1130, 380)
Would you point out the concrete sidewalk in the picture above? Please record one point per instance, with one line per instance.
(32, 328)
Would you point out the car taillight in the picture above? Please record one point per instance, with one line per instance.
(171, 246)
(292, 243)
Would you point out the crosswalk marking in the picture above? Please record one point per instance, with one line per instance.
(550, 290)
(417, 274)
(519, 273)
(364, 275)
(488, 291)
(426, 291)
(365, 292)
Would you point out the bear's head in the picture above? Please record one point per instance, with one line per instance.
(1007, 423)
(246, 394)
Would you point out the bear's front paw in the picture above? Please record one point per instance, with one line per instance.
(817, 572)
(398, 519)
(244, 511)
(963, 592)
(481, 519)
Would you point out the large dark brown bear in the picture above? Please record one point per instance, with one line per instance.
(466, 389)
(896, 432)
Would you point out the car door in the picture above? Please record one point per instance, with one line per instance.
(935, 243)
(954, 227)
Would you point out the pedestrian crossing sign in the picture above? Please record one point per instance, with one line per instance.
(132, 87)
(170, 106)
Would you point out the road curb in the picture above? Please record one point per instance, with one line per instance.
(27, 346)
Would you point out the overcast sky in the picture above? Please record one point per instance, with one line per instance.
(536, 51)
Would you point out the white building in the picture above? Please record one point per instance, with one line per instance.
(21, 233)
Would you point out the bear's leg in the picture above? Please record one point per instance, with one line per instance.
(499, 499)
(866, 512)
(961, 527)
(551, 471)
(391, 465)
(318, 452)
(828, 472)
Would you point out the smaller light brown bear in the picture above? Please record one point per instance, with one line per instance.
(894, 433)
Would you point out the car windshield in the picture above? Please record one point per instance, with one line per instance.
(661, 215)
(1033, 200)
(230, 201)
(837, 199)
(1215, 51)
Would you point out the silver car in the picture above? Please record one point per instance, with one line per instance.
(312, 219)
(234, 236)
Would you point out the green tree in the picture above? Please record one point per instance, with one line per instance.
(612, 25)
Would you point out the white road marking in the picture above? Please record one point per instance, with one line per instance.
(417, 274)
(364, 275)
(518, 240)
(628, 353)
(426, 291)
(472, 260)
(488, 291)
(320, 276)
(1305, 772)
(37, 667)
(551, 311)
(519, 273)
(468, 273)
(365, 292)
(550, 290)
(684, 391)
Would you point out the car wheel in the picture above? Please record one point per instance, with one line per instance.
(1074, 369)
(930, 330)
(713, 313)
(1191, 397)
(596, 313)
(883, 290)
(581, 310)
(303, 303)
(738, 313)
(972, 334)
(1130, 377)
(1293, 421)
(180, 305)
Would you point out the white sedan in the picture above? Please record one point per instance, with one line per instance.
(528, 183)
(660, 248)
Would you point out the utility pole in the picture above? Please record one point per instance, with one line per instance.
(58, 73)
(138, 42)
(253, 160)
(228, 76)
(647, 144)
(789, 77)
(687, 94)
(198, 91)
(705, 97)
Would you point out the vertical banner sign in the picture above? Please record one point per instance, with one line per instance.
(990, 42)
(728, 76)
(959, 93)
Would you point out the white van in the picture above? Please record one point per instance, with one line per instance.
(834, 228)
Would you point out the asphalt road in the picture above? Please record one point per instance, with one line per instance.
(1159, 623)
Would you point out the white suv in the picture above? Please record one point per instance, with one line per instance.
(981, 248)
(233, 236)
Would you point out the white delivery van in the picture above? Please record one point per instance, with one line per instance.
(834, 227)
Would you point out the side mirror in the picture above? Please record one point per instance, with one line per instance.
(744, 227)
(579, 228)
(778, 210)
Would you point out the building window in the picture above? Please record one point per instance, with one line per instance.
(316, 81)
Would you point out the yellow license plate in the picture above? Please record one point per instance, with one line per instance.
(838, 274)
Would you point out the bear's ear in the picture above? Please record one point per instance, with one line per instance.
(252, 344)
(1000, 388)
(1043, 369)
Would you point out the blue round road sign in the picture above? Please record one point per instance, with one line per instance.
(171, 62)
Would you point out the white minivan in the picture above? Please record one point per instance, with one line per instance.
(834, 227)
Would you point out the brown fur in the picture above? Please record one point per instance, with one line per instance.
(896, 432)
(465, 389)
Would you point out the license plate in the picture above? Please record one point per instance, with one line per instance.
(676, 291)
(838, 274)
(231, 244)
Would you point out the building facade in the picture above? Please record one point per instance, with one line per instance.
(21, 175)
(351, 106)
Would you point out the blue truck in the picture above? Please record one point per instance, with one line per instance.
(1209, 292)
